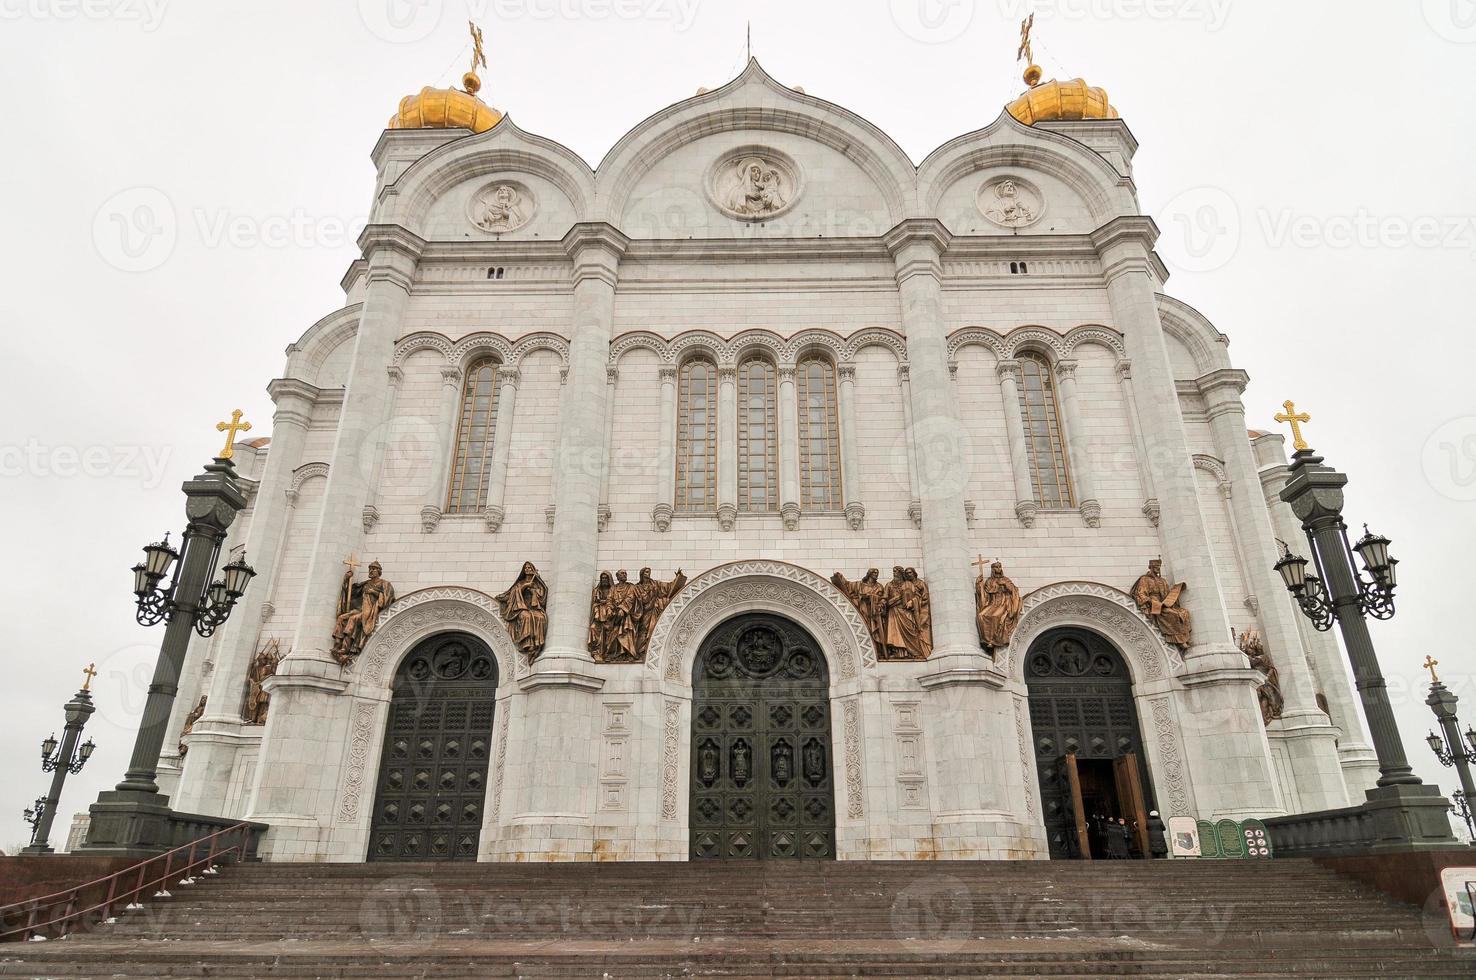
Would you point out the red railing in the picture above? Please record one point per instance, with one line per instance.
(61, 913)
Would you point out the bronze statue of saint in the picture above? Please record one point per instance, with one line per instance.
(869, 598)
(1269, 693)
(525, 610)
(359, 607)
(654, 597)
(903, 639)
(263, 665)
(625, 605)
(922, 601)
(998, 602)
(601, 613)
(189, 726)
(1159, 601)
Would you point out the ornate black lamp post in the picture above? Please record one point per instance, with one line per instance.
(1405, 812)
(69, 760)
(1449, 746)
(133, 818)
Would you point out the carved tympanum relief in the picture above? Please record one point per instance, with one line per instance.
(754, 184)
(1011, 202)
(501, 207)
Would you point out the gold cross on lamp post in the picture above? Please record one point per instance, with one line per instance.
(91, 672)
(1430, 664)
(1297, 420)
(230, 429)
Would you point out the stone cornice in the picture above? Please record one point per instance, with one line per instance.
(918, 231)
(1129, 228)
(600, 234)
(284, 391)
(396, 238)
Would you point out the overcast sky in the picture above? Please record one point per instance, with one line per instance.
(183, 183)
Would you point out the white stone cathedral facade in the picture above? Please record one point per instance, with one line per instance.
(760, 345)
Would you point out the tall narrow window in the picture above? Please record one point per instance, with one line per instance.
(758, 435)
(1047, 450)
(472, 466)
(819, 435)
(696, 447)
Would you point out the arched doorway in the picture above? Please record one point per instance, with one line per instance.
(1088, 746)
(432, 783)
(761, 754)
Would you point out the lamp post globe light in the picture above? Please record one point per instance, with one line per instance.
(1400, 812)
(62, 759)
(134, 818)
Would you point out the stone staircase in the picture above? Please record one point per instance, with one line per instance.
(776, 919)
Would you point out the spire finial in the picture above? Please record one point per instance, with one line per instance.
(1027, 53)
(1297, 420)
(470, 81)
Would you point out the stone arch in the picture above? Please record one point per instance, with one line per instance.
(417, 615)
(306, 357)
(1098, 607)
(761, 343)
(768, 586)
(983, 337)
(1206, 345)
(419, 341)
(1094, 334)
(1215, 468)
(304, 473)
(875, 337)
(1038, 339)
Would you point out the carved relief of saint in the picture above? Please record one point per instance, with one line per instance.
(525, 610)
(1010, 204)
(1159, 601)
(500, 209)
(869, 598)
(601, 614)
(999, 605)
(755, 189)
(359, 607)
(907, 617)
(263, 665)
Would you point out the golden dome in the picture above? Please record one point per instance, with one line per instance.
(446, 108)
(1061, 100)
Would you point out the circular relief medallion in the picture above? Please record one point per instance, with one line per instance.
(501, 207)
(1011, 202)
(754, 184)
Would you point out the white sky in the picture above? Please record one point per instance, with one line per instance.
(1287, 150)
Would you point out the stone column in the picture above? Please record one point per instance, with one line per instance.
(914, 505)
(1008, 372)
(850, 465)
(612, 381)
(972, 731)
(727, 447)
(508, 379)
(1306, 732)
(1145, 469)
(1360, 764)
(665, 507)
(1078, 445)
(1228, 749)
(307, 725)
(376, 469)
(789, 488)
(445, 448)
(218, 733)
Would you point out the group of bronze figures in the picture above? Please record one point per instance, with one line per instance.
(622, 615)
(898, 615)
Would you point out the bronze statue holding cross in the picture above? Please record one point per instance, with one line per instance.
(997, 606)
(359, 607)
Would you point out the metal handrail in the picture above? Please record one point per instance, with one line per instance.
(72, 917)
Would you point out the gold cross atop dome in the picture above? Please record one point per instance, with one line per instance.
(91, 671)
(470, 81)
(1297, 420)
(1430, 664)
(230, 429)
(1026, 53)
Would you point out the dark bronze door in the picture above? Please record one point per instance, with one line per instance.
(761, 755)
(432, 782)
(1081, 708)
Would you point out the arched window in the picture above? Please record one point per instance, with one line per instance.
(696, 445)
(1047, 451)
(472, 466)
(819, 435)
(758, 435)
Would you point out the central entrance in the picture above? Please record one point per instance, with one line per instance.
(761, 755)
(1094, 785)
